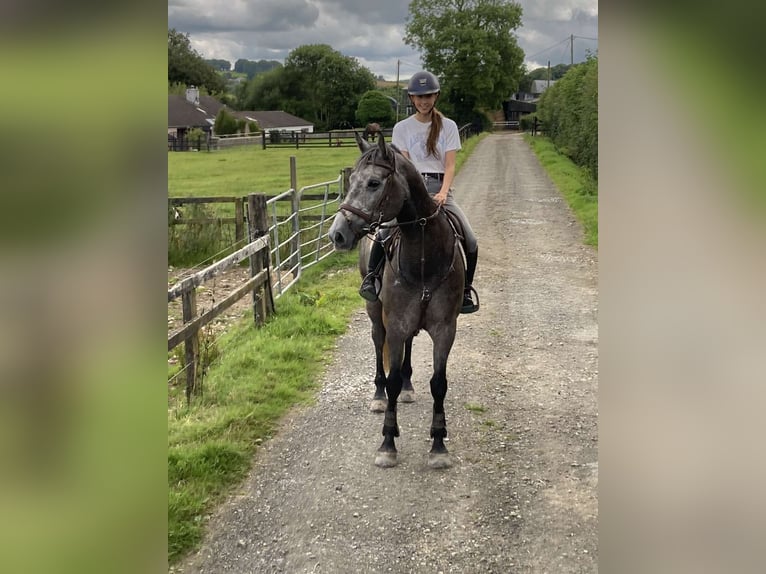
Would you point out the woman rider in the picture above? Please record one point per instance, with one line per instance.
(430, 140)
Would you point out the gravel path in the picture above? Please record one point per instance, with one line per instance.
(521, 415)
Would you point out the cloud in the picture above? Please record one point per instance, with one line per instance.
(208, 16)
(370, 30)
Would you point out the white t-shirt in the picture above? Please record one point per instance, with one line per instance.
(411, 136)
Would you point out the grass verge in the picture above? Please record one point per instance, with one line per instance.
(260, 375)
(575, 184)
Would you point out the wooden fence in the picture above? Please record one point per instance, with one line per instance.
(287, 233)
(338, 138)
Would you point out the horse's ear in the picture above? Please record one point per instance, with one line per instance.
(384, 151)
(363, 145)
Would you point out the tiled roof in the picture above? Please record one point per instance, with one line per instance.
(273, 119)
(184, 114)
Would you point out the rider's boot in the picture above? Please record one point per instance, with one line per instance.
(370, 284)
(468, 305)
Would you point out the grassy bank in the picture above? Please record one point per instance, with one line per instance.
(574, 183)
(260, 374)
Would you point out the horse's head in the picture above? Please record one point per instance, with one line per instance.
(376, 193)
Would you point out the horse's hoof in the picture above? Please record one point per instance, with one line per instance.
(407, 397)
(439, 460)
(378, 405)
(386, 459)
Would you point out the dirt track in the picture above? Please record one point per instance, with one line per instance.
(521, 415)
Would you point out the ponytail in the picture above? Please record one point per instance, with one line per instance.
(433, 133)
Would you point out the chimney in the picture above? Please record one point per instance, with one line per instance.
(192, 95)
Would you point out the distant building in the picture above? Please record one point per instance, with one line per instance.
(195, 111)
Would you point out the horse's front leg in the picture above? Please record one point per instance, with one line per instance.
(379, 402)
(439, 457)
(387, 455)
(408, 391)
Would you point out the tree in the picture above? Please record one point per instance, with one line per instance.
(253, 68)
(217, 64)
(316, 83)
(267, 91)
(225, 123)
(374, 106)
(331, 83)
(186, 66)
(470, 45)
(557, 72)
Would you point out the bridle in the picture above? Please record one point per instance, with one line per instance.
(366, 217)
(373, 226)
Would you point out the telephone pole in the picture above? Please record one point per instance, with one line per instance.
(398, 93)
(571, 49)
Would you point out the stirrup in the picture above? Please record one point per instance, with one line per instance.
(468, 305)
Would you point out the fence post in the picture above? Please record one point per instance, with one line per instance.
(263, 302)
(263, 139)
(346, 181)
(191, 346)
(239, 219)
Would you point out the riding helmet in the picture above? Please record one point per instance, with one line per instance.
(423, 83)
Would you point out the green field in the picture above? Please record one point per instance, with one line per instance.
(239, 171)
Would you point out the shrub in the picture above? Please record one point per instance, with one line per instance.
(225, 123)
(190, 243)
(570, 112)
(196, 139)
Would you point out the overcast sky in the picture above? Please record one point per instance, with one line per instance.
(369, 30)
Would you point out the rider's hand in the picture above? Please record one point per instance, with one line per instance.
(440, 198)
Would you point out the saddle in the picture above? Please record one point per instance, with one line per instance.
(391, 243)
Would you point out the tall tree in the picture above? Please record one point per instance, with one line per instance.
(332, 83)
(186, 66)
(374, 106)
(253, 68)
(218, 64)
(316, 83)
(471, 46)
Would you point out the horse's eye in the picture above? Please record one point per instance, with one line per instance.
(373, 183)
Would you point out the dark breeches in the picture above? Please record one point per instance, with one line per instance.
(471, 245)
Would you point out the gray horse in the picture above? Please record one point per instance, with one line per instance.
(422, 286)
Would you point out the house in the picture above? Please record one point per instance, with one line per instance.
(276, 120)
(536, 90)
(191, 111)
(184, 115)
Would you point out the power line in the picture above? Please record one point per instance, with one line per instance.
(550, 48)
(569, 39)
